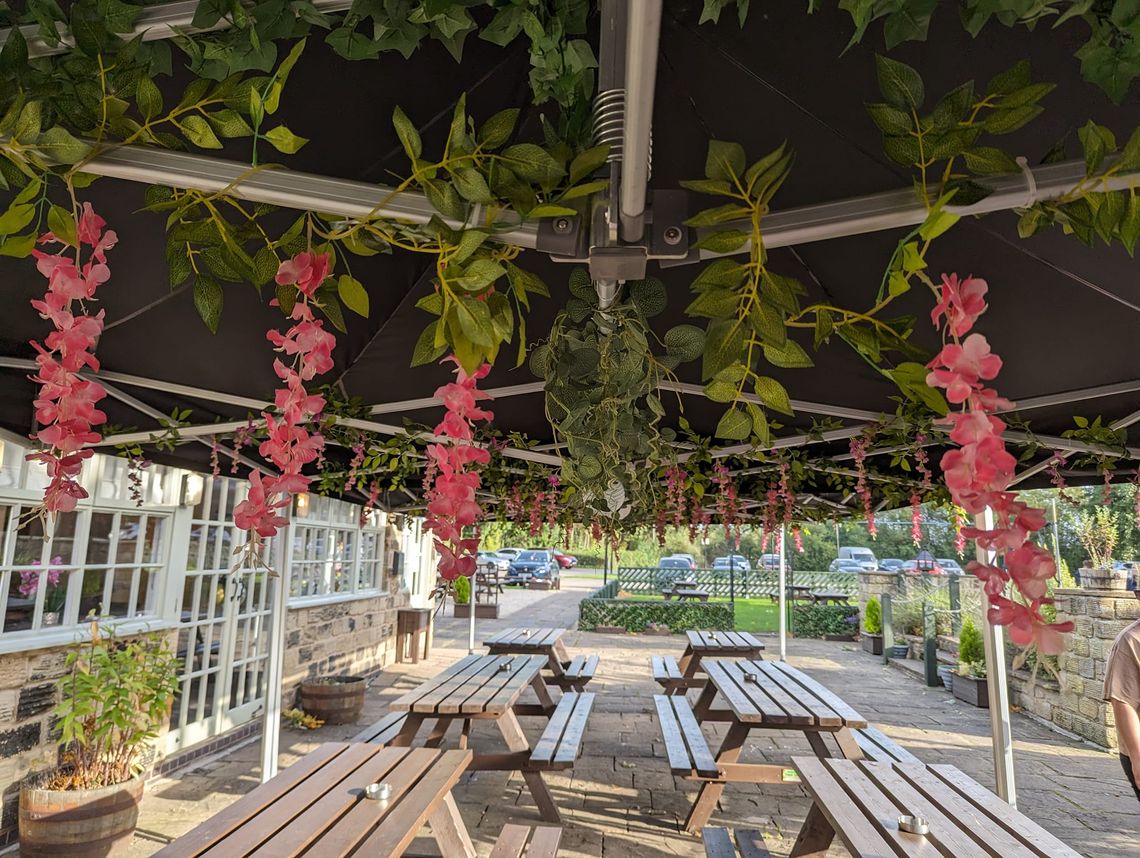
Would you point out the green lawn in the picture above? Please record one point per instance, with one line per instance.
(752, 615)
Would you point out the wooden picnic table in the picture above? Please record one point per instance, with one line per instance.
(829, 598)
(698, 595)
(712, 644)
(317, 806)
(565, 672)
(488, 688)
(860, 802)
(766, 695)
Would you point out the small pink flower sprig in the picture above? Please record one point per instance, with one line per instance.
(290, 446)
(727, 504)
(675, 493)
(65, 404)
(454, 475)
(858, 447)
(978, 473)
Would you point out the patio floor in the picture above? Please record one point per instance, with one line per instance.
(620, 799)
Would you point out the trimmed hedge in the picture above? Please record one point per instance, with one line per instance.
(609, 591)
(815, 621)
(635, 616)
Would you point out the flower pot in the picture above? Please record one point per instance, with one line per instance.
(1104, 579)
(872, 644)
(972, 690)
(487, 612)
(334, 699)
(900, 650)
(461, 612)
(83, 823)
(946, 674)
(846, 638)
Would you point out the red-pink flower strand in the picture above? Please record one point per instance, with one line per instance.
(65, 404)
(290, 446)
(454, 475)
(979, 471)
(858, 447)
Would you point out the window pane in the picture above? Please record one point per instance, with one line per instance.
(145, 604)
(121, 593)
(152, 547)
(11, 458)
(99, 538)
(91, 600)
(128, 538)
(18, 608)
(197, 531)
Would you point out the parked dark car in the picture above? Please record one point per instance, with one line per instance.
(890, 564)
(533, 564)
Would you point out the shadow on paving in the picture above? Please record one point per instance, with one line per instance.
(620, 799)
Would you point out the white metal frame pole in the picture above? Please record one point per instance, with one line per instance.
(642, 38)
(998, 690)
(783, 598)
(275, 667)
(471, 621)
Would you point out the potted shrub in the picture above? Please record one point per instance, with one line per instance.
(113, 700)
(334, 699)
(970, 680)
(461, 594)
(873, 627)
(1098, 536)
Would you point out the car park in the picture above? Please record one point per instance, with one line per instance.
(864, 556)
(566, 561)
(950, 567)
(845, 565)
(736, 562)
(688, 558)
(890, 564)
(532, 564)
(492, 561)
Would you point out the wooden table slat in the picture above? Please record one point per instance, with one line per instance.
(675, 748)
(450, 699)
(852, 827)
(545, 840)
(405, 702)
(850, 717)
(249, 805)
(247, 839)
(751, 640)
(1019, 825)
(548, 743)
(822, 714)
(946, 832)
(522, 671)
(698, 748)
(511, 841)
(572, 737)
(778, 706)
(717, 843)
(324, 813)
(400, 826)
(991, 832)
(744, 708)
(695, 639)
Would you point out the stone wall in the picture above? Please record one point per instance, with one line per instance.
(354, 637)
(1100, 615)
(875, 584)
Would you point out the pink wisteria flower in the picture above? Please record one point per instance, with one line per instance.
(452, 478)
(979, 471)
(962, 303)
(66, 403)
(289, 445)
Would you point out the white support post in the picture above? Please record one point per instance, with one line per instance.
(783, 598)
(1000, 730)
(275, 663)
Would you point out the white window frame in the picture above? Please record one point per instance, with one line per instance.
(304, 515)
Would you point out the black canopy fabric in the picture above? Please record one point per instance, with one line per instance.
(1064, 317)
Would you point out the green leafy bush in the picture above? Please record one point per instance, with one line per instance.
(971, 652)
(873, 617)
(462, 590)
(816, 621)
(635, 616)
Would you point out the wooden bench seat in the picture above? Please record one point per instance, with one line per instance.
(879, 747)
(749, 843)
(578, 671)
(685, 744)
(517, 841)
(561, 741)
(384, 730)
(667, 673)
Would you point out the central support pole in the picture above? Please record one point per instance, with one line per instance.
(783, 599)
(275, 662)
(642, 38)
(471, 620)
(1000, 730)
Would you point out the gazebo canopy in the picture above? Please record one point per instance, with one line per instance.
(1063, 314)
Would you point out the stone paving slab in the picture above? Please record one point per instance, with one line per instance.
(620, 799)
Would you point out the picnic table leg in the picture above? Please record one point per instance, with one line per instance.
(449, 831)
(684, 661)
(435, 738)
(543, 694)
(704, 701)
(516, 741)
(847, 745)
(711, 791)
(815, 837)
(408, 731)
(464, 734)
(817, 744)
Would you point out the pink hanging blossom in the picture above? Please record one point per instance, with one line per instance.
(451, 503)
(354, 466)
(65, 404)
(675, 493)
(916, 519)
(858, 447)
(659, 525)
(979, 471)
(289, 445)
(370, 504)
(799, 539)
(959, 537)
(727, 506)
(215, 464)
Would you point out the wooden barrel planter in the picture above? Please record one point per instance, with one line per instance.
(84, 823)
(334, 699)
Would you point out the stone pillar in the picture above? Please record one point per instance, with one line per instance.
(875, 584)
(1100, 615)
